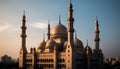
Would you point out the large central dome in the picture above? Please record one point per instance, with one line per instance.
(58, 31)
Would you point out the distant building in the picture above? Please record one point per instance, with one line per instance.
(61, 50)
(6, 59)
(112, 63)
(8, 63)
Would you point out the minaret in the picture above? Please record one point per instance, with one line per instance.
(23, 50)
(23, 35)
(97, 39)
(48, 34)
(70, 21)
(70, 52)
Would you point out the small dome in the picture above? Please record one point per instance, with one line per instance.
(59, 30)
(88, 50)
(50, 44)
(42, 45)
(78, 43)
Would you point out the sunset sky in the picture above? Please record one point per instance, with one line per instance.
(38, 12)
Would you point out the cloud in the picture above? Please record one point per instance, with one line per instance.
(39, 25)
(4, 26)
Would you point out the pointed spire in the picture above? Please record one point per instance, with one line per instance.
(24, 12)
(87, 42)
(48, 24)
(96, 19)
(59, 19)
(48, 21)
(48, 34)
(70, 4)
(70, 13)
(96, 25)
(70, 1)
(43, 37)
(75, 34)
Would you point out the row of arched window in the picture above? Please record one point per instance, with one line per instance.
(61, 60)
(28, 60)
(45, 65)
(45, 60)
(61, 65)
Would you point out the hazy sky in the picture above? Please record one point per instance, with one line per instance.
(38, 12)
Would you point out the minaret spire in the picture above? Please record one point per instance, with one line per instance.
(59, 19)
(48, 34)
(87, 42)
(70, 1)
(23, 12)
(23, 35)
(43, 37)
(97, 39)
(70, 21)
(70, 43)
(75, 34)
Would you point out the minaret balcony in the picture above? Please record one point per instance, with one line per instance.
(23, 27)
(97, 39)
(23, 35)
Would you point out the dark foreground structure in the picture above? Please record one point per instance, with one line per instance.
(11, 65)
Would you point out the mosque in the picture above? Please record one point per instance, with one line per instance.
(61, 50)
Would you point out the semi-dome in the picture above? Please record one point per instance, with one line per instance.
(50, 44)
(42, 45)
(78, 43)
(59, 30)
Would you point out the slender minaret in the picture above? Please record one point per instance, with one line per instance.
(97, 39)
(70, 52)
(48, 34)
(70, 21)
(23, 35)
(23, 50)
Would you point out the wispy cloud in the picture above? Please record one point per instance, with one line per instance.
(39, 25)
(4, 26)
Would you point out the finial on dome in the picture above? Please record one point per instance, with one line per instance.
(59, 19)
(75, 34)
